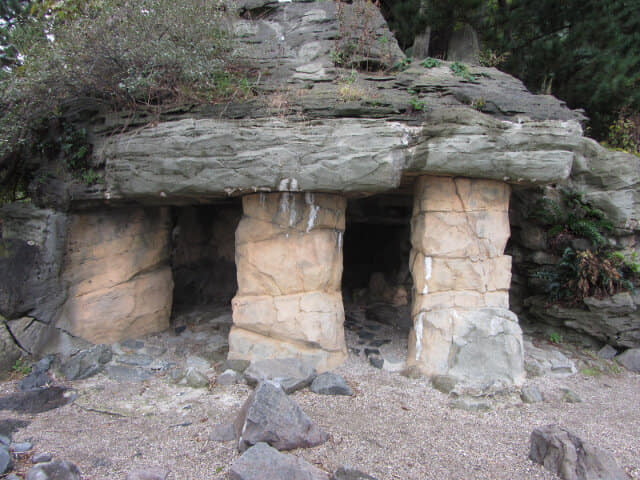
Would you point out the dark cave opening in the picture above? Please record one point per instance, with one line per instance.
(377, 245)
(203, 255)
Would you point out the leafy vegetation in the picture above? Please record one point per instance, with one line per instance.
(74, 55)
(462, 71)
(431, 63)
(588, 266)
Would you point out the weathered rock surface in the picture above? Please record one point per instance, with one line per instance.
(86, 363)
(9, 352)
(270, 416)
(630, 359)
(116, 269)
(262, 462)
(348, 473)
(289, 261)
(31, 253)
(290, 374)
(614, 320)
(5, 459)
(546, 361)
(329, 383)
(570, 457)
(462, 325)
(531, 394)
(57, 470)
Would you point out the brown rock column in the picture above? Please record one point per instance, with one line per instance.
(117, 274)
(462, 323)
(289, 261)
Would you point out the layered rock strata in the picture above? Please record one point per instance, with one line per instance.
(462, 323)
(289, 262)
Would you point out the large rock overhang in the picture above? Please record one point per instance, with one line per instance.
(212, 157)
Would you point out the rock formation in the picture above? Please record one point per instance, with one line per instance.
(96, 262)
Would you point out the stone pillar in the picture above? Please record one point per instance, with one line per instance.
(462, 323)
(289, 262)
(117, 274)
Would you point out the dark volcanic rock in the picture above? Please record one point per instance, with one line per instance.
(270, 416)
(262, 462)
(571, 458)
(86, 363)
(329, 383)
(58, 470)
(347, 473)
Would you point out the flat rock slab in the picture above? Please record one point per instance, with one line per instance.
(329, 383)
(36, 401)
(290, 373)
(569, 457)
(58, 470)
(270, 416)
(262, 462)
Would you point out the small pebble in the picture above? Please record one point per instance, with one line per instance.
(21, 447)
(41, 457)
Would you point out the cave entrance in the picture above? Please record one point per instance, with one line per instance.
(203, 262)
(376, 283)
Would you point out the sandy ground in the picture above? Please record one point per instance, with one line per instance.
(392, 428)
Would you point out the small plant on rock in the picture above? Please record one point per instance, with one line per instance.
(462, 71)
(431, 63)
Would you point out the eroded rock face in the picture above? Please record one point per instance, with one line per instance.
(289, 261)
(462, 325)
(119, 283)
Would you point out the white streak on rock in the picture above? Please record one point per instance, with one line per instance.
(419, 328)
(428, 264)
(313, 213)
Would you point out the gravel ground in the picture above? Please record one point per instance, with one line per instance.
(392, 428)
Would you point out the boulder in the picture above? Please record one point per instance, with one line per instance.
(570, 457)
(329, 383)
(270, 416)
(607, 352)
(5, 459)
(262, 462)
(57, 470)
(86, 363)
(289, 373)
(530, 394)
(348, 473)
(630, 359)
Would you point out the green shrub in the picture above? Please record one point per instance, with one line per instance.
(431, 63)
(112, 54)
(462, 71)
(597, 271)
(624, 133)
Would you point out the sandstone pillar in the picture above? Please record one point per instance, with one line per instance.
(289, 262)
(462, 323)
(117, 275)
